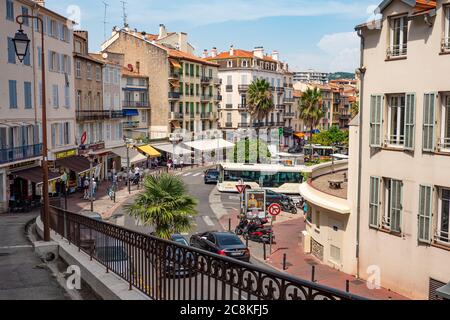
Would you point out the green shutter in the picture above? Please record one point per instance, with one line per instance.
(395, 213)
(374, 202)
(428, 121)
(410, 115)
(376, 119)
(425, 213)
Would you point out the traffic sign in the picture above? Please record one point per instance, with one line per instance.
(83, 137)
(241, 188)
(274, 209)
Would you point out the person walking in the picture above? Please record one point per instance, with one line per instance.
(94, 188)
(181, 164)
(305, 210)
(86, 188)
(169, 164)
(114, 182)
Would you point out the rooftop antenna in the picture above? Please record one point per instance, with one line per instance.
(104, 20)
(125, 23)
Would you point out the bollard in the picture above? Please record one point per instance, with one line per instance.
(313, 273)
(347, 285)
(284, 261)
(229, 224)
(264, 250)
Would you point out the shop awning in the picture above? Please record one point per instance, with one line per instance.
(135, 157)
(299, 135)
(174, 83)
(35, 175)
(209, 145)
(149, 150)
(169, 149)
(79, 164)
(175, 63)
(130, 112)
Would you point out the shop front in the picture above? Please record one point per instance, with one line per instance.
(77, 169)
(99, 155)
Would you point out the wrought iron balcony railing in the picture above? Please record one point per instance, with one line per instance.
(400, 50)
(135, 104)
(175, 116)
(174, 95)
(243, 87)
(229, 88)
(20, 153)
(85, 115)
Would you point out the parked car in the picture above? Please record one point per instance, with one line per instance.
(87, 236)
(211, 176)
(223, 243)
(179, 262)
(295, 149)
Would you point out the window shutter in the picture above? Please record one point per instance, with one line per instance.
(374, 204)
(50, 60)
(428, 121)
(396, 205)
(11, 51)
(376, 118)
(410, 116)
(425, 213)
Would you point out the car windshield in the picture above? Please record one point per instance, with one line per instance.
(228, 240)
(181, 241)
(213, 173)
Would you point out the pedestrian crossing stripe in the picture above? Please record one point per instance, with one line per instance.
(197, 174)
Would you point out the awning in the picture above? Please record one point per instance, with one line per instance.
(175, 63)
(209, 145)
(79, 164)
(299, 135)
(35, 175)
(174, 83)
(130, 112)
(149, 150)
(135, 157)
(169, 149)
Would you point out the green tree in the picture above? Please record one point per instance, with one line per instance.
(245, 145)
(354, 109)
(310, 108)
(165, 205)
(333, 136)
(259, 104)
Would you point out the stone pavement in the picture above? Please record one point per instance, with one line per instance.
(23, 276)
(287, 229)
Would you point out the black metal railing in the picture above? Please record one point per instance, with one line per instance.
(174, 95)
(205, 80)
(243, 87)
(84, 115)
(165, 270)
(20, 153)
(229, 88)
(135, 104)
(218, 97)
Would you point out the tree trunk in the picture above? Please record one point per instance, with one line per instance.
(257, 146)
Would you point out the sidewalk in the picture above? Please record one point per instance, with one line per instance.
(23, 275)
(287, 230)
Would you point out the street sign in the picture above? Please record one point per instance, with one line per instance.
(241, 188)
(274, 209)
(83, 137)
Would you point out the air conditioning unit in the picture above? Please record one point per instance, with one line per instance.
(306, 242)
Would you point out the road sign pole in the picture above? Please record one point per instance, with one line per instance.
(271, 229)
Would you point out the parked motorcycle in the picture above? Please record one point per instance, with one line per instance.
(257, 231)
(288, 205)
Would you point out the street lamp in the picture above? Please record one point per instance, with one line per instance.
(91, 178)
(21, 47)
(129, 144)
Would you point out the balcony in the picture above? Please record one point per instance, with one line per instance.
(259, 124)
(20, 153)
(280, 106)
(229, 106)
(218, 98)
(279, 124)
(175, 116)
(174, 76)
(135, 104)
(205, 115)
(243, 87)
(288, 100)
(288, 85)
(289, 115)
(229, 88)
(445, 46)
(86, 115)
(205, 80)
(206, 97)
(397, 51)
(217, 81)
(130, 124)
(242, 106)
(174, 95)
(279, 90)
(228, 125)
(244, 125)
(344, 116)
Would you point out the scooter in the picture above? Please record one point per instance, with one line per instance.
(259, 235)
(288, 205)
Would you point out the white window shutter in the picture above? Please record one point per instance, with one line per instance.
(429, 106)
(376, 119)
(374, 205)
(410, 119)
(425, 213)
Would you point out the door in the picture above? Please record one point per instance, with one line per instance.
(335, 232)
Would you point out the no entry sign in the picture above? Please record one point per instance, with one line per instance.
(274, 209)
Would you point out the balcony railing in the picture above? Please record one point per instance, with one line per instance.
(174, 95)
(444, 143)
(218, 97)
(217, 81)
(279, 90)
(397, 50)
(229, 106)
(153, 266)
(228, 124)
(135, 104)
(244, 125)
(84, 115)
(174, 75)
(242, 106)
(395, 140)
(288, 100)
(289, 114)
(130, 124)
(206, 97)
(205, 80)
(229, 88)
(446, 44)
(20, 153)
(175, 116)
(344, 116)
(280, 106)
(205, 115)
(243, 87)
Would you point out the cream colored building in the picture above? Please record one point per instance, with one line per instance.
(20, 109)
(405, 177)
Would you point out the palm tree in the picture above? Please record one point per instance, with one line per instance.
(259, 104)
(310, 110)
(165, 205)
(354, 109)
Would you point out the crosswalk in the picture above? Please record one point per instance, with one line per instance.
(187, 174)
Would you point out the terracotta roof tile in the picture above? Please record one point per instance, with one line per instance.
(238, 53)
(187, 56)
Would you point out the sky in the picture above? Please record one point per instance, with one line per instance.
(309, 34)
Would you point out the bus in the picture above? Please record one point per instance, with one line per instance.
(276, 177)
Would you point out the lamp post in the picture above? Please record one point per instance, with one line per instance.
(91, 180)
(21, 47)
(129, 145)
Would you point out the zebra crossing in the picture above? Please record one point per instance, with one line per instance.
(187, 174)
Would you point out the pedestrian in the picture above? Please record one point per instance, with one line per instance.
(114, 182)
(305, 209)
(175, 163)
(181, 164)
(86, 188)
(94, 188)
(169, 164)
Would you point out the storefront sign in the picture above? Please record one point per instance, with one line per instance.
(21, 165)
(65, 154)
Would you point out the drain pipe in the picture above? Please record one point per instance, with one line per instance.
(362, 71)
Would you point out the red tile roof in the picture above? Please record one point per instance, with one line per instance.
(238, 53)
(187, 56)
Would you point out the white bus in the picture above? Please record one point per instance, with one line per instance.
(276, 177)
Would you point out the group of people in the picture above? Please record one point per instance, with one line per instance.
(87, 192)
(175, 164)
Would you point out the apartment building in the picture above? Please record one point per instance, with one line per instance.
(237, 70)
(311, 76)
(20, 110)
(184, 92)
(405, 176)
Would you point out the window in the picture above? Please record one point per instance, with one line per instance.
(442, 234)
(244, 63)
(144, 116)
(393, 205)
(396, 120)
(11, 51)
(67, 96)
(98, 73)
(244, 79)
(399, 37)
(425, 213)
(39, 57)
(89, 71)
(25, 19)
(446, 42)
(78, 102)
(27, 94)
(40, 94)
(229, 80)
(376, 119)
(78, 47)
(230, 63)
(78, 69)
(10, 10)
(55, 96)
(445, 122)
(12, 94)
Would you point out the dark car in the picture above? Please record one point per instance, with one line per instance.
(179, 262)
(211, 176)
(223, 243)
(295, 149)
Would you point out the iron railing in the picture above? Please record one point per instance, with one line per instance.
(20, 153)
(399, 50)
(135, 104)
(85, 115)
(174, 95)
(165, 270)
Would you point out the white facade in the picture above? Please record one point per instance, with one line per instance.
(311, 76)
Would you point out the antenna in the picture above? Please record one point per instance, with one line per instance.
(104, 20)
(125, 23)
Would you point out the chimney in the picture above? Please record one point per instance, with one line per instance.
(275, 55)
(231, 50)
(40, 2)
(205, 54)
(258, 52)
(214, 52)
(182, 42)
(162, 31)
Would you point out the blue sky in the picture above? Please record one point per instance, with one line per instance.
(317, 34)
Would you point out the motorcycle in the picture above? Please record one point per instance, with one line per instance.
(288, 205)
(257, 231)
